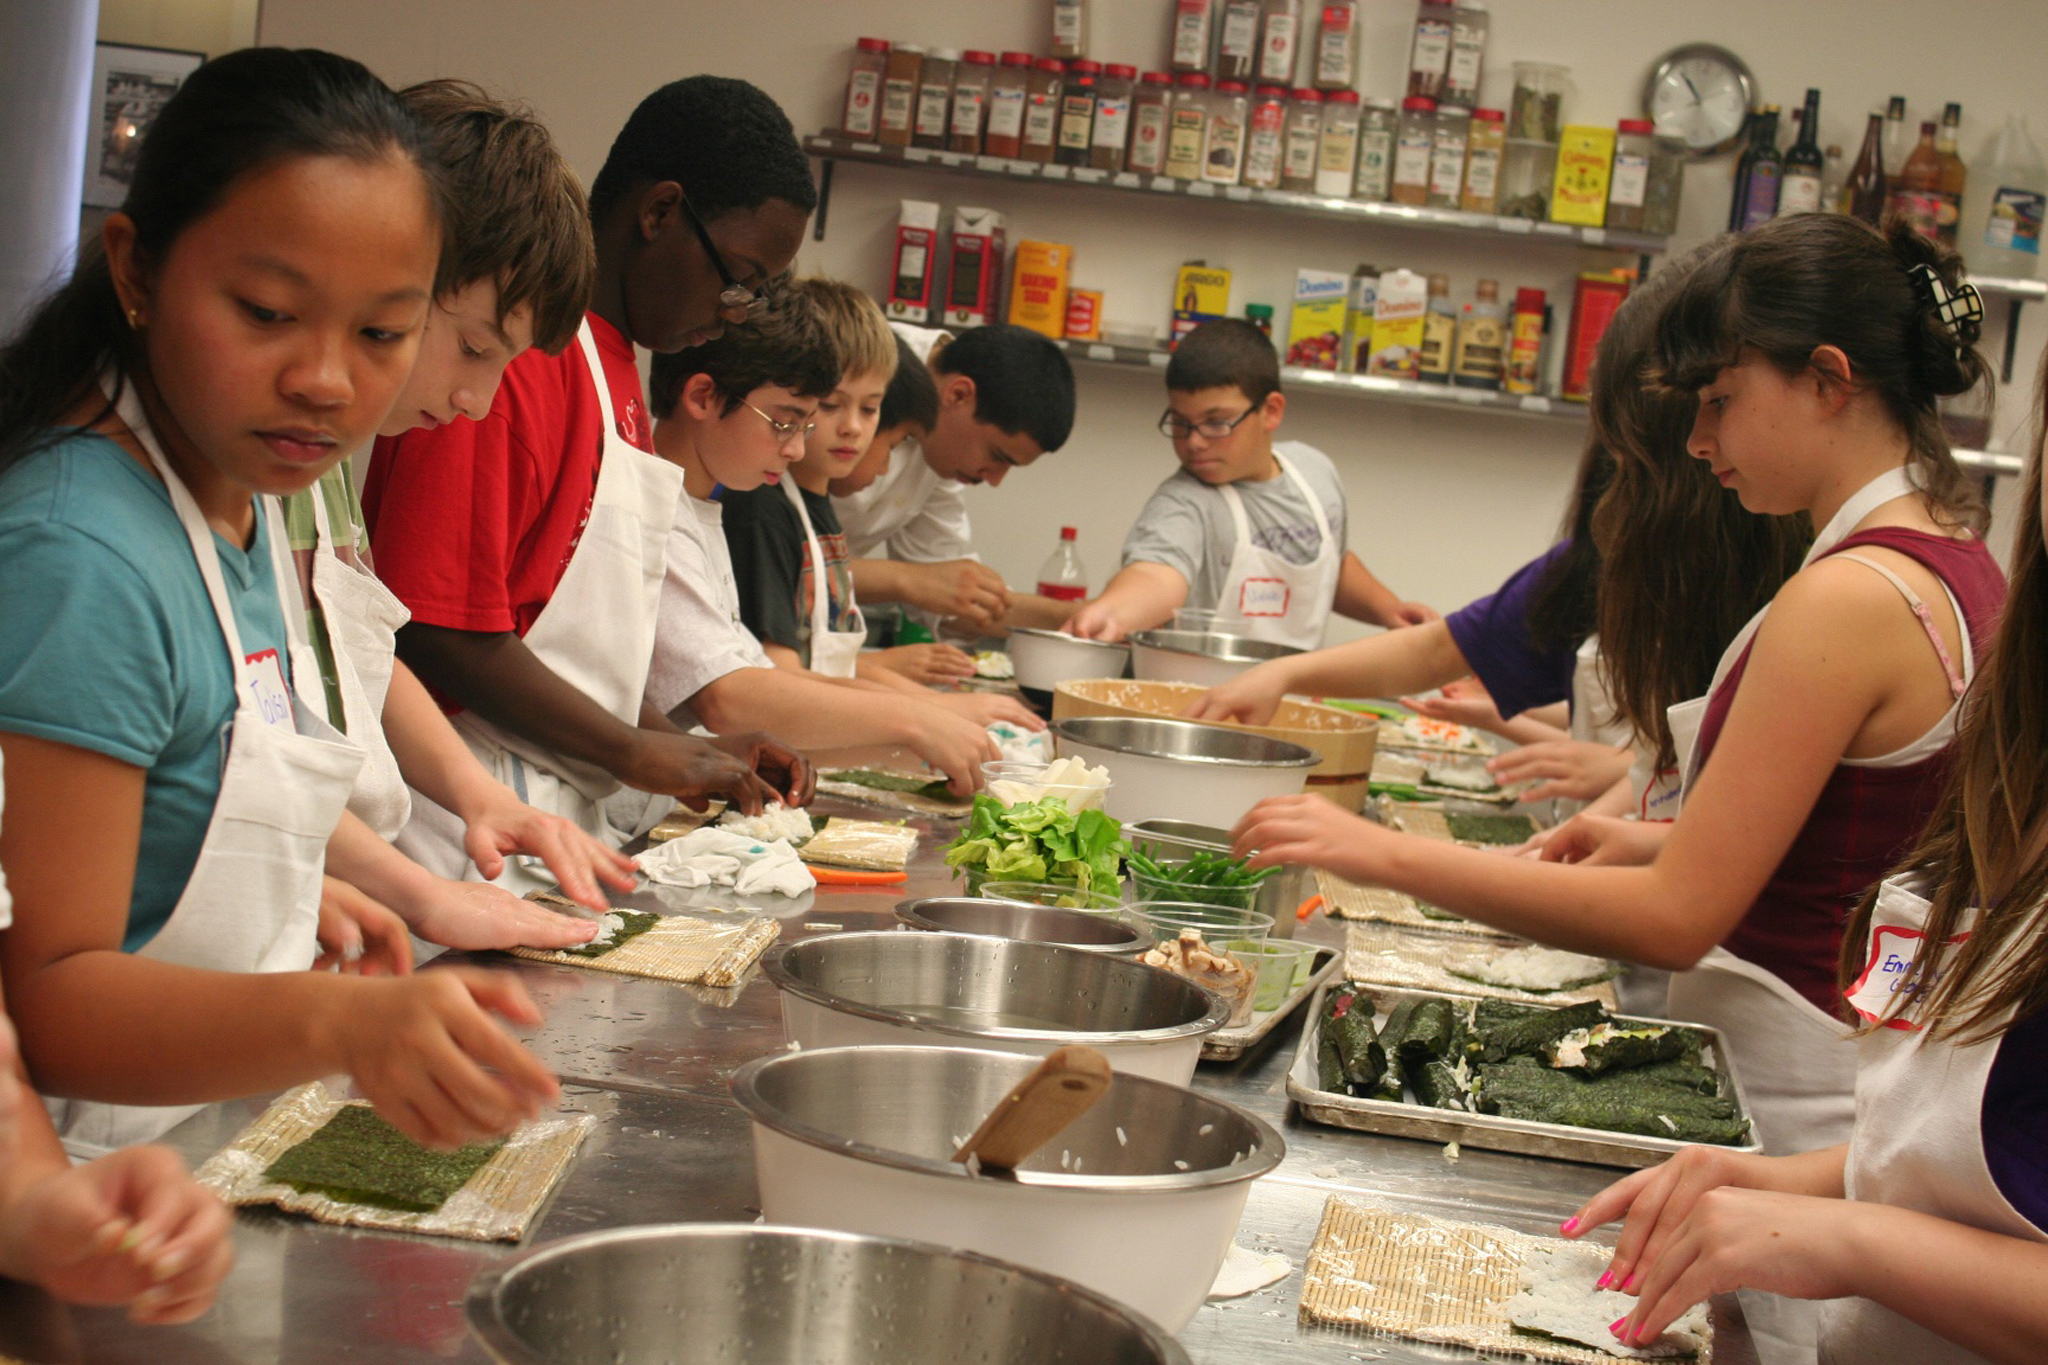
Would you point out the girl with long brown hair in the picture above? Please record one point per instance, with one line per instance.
(1926, 1232)
(1818, 349)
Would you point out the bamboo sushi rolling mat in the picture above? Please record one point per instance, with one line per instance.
(1390, 955)
(892, 800)
(1429, 1279)
(497, 1204)
(866, 845)
(1348, 900)
(1472, 743)
(681, 948)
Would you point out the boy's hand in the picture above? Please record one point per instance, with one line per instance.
(933, 665)
(963, 588)
(1095, 621)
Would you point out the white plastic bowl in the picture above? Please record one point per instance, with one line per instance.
(1137, 1200)
(1182, 769)
(1047, 658)
(1204, 658)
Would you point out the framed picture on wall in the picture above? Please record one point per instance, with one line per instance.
(129, 86)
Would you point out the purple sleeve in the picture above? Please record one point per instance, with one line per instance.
(2014, 1120)
(1493, 635)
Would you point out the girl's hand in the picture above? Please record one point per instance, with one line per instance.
(427, 1053)
(477, 916)
(1312, 830)
(1250, 698)
(986, 708)
(358, 934)
(578, 860)
(1463, 702)
(1606, 841)
(1575, 770)
(933, 665)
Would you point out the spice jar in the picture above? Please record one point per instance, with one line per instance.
(1483, 151)
(1187, 126)
(1378, 127)
(1149, 103)
(1469, 24)
(1303, 139)
(1237, 40)
(1070, 28)
(1190, 42)
(1482, 340)
(1667, 183)
(1628, 185)
(1429, 48)
(1527, 172)
(1077, 112)
(1414, 149)
(1536, 113)
(1523, 371)
(1008, 89)
(1337, 46)
(1266, 137)
(864, 87)
(970, 101)
(1042, 109)
(1279, 39)
(1112, 117)
(899, 94)
(1223, 153)
(1447, 156)
(1337, 149)
(934, 98)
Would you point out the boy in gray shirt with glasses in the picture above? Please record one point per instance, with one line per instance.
(1248, 528)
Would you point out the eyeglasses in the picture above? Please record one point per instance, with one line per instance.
(785, 432)
(1179, 428)
(735, 297)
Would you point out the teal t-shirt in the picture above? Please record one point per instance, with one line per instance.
(109, 642)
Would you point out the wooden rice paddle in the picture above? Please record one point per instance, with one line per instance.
(1038, 1109)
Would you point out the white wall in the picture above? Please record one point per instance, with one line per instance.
(1443, 505)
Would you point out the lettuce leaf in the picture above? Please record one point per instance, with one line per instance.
(1040, 841)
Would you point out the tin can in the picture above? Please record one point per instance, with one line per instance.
(1596, 299)
(1084, 315)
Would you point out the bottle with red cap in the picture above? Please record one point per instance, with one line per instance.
(1149, 103)
(1223, 153)
(864, 87)
(1063, 577)
(1077, 112)
(1042, 109)
(1008, 92)
(1524, 370)
(1266, 139)
(1112, 117)
(970, 101)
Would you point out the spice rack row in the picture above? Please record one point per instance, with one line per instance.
(832, 149)
(1356, 385)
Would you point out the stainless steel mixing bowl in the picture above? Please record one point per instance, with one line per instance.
(1081, 929)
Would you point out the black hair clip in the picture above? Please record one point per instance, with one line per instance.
(1961, 310)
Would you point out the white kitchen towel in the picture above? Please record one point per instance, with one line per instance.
(718, 857)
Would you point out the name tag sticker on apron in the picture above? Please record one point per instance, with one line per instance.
(1263, 597)
(267, 687)
(1893, 951)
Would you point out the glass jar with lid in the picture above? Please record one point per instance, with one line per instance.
(1265, 138)
(1536, 113)
(1187, 126)
(1112, 117)
(1337, 149)
(1378, 128)
(899, 94)
(1008, 89)
(1429, 48)
(1237, 40)
(1528, 169)
(1667, 184)
(1042, 109)
(864, 87)
(934, 98)
(1414, 149)
(1628, 185)
(1223, 152)
(1149, 104)
(970, 101)
(1077, 112)
(1469, 24)
(1336, 64)
(1447, 156)
(1483, 152)
(1303, 141)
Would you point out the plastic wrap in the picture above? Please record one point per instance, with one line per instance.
(868, 845)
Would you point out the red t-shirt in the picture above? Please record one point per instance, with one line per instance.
(473, 523)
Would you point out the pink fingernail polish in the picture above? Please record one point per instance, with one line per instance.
(1569, 1226)
(1606, 1278)
(1615, 1326)
(1628, 1285)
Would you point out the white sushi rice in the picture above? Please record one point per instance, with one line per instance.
(774, 822)
(1560, 1297)
(1534, 968)
(1461, 778)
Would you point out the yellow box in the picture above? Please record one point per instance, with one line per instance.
(1585, 160)
(1201, 292)
(1038, 289)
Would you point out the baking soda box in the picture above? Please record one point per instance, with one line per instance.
(1315, 329)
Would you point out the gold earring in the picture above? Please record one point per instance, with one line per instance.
(134, 319)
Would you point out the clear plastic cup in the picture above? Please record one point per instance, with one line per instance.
(1053, 894)
(1163, 921)
(1017, 782)
(1165, 887)
(1283, 968)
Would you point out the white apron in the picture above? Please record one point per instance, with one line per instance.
(252, 903)
(1797, 1064)
(1919, 1140)
(361, 617)
(1288, 604)
(834, 653)
(596, 633)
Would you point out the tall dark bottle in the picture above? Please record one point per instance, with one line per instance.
(1757, 174)
(1799, 188)
(1864, 195)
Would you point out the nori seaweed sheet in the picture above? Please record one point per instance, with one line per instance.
(632, 924)
(1620, 1102)
(1433, 1030)
(1624, 1049)
(1489, 827)
(1391, 1038)
(935, 788)
(358, 1158)
(1437, 1084)
(1429, 911)
(1681, 1074)
(1518, 1037)
(1347, 1018)
(1330, 1066)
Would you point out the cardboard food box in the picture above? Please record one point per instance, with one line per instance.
(1201, 293)
(1585, 161)
(1038, 293)
(1315, 329)
(910, 273)
(974, 288)
(1345, 740)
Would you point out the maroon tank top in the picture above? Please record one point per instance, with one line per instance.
(1865, 818)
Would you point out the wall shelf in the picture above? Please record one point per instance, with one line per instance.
(1357, 385)
(832, 149)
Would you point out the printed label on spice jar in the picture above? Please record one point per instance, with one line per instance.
(1432, 53)
(967, 106)
(860, 102)
(1303, 140)
(1076, 119)
(1464, 62)
(1375, 163)
(1632, 180)
(1041, 116)
(1112, 122)
(1333, 47)
(1148, 138)
(1191, 35)
(931, 110)
(1276, 58)
(1262, 154)
(1005, 113)
(1240, 30)
(897, 100)
(1447, 166)
(1066, 24)
(1411, 159)
(1482, 179)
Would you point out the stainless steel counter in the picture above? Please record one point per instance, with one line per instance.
(651, 1061)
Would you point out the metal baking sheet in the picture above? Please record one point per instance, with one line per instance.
(1227, 1045)
(1556, 1140)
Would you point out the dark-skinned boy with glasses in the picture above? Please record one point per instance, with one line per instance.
(530, 546)
(1247, 529)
